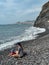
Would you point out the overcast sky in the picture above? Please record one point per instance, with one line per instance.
(12, 11)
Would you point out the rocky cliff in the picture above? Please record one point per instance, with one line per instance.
(43, 18)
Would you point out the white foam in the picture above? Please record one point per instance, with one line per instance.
(35, 30)
(29, 34)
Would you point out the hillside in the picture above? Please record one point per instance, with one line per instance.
(43, 18)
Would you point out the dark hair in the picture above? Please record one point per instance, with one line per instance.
(19, 44)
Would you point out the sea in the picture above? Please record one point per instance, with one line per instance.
(13, 33)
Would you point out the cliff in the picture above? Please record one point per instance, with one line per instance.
(43, 18)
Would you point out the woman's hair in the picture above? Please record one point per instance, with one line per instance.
(19, 44)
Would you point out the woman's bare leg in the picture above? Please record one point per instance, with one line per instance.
(16, 55)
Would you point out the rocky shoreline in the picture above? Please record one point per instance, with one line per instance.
(37, 53)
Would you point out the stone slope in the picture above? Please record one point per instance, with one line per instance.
(43, 18)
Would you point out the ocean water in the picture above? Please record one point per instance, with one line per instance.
(11, 34)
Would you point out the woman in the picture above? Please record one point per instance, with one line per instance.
(18, 53)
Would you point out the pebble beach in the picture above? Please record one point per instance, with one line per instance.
(37, 52)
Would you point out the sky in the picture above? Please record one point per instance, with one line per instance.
(12, 11)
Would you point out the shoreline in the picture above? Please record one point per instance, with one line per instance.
(32, 47)
(39, 35)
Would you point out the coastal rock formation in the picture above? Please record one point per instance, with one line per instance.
(43, 18)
